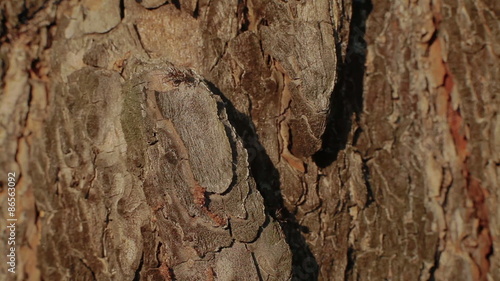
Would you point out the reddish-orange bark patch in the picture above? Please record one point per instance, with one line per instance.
(166, 272)
(210, 274)
(199, 197)
(441, 72)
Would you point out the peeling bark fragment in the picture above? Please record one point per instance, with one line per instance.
(195, 115)
(312, 71)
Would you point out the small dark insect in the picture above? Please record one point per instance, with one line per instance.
(177, 77)
(281, 215)
(286, 219)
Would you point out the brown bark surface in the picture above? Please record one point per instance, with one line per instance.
(251, 139)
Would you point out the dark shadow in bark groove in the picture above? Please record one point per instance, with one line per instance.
(347, 97)
(304, 265)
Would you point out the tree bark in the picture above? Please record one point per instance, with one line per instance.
(251, 139)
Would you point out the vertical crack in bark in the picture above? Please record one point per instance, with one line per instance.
(137, 276)
(366, 177)
(196, 11)
(177, 4)
(244, 21)
(435, 266)
(351, 260)
(122, 9)
(257, 267)
(88, 268)
(347, 98)
(138, 34)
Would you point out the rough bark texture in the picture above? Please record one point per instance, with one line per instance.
(252, 139)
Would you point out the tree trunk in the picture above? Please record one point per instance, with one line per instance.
(250, 139)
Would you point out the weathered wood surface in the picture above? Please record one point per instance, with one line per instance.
(252, 139)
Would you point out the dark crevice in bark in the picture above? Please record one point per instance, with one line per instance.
(89, 269)
(177, 4)
(23, 16)
(347, 97)
(304, 265)
(243, 16)
(219, 58)
(356, 135)
(137, 276)
(435, 266)
(257, 267)
(28, 102)
(196, 12)
(350, 264)
(139, 38)
(3, 27)
(35, 66)
(158, 253)
(266, 175)
(433, 38)
(122, 9)
(366, 177)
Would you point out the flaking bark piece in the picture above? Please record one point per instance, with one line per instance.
(197, 115)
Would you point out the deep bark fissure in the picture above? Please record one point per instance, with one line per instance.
(347, 98)
(122, 9)
(137, 276)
